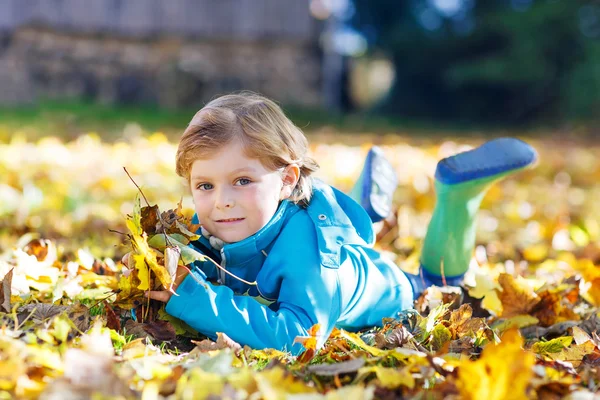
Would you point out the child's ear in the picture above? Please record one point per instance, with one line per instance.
(290, 177)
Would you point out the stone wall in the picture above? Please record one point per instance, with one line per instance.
(39, 62)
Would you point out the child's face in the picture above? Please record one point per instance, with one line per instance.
(234, 196)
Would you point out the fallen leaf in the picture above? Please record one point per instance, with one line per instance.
(223, 342)
(112, 320)
(574, 354)
(516, 297)
(502, 372)
(343, 367)
(552, 346)
(5, 290)
(390, 378)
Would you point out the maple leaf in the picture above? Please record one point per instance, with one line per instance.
(462, 324)
(516, 297)
(502, 372)
(550, 309)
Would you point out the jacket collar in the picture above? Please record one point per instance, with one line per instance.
(242, 251)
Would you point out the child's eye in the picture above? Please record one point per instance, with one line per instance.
(242, 181)
(204, 186)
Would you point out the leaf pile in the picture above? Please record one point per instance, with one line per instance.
(75, 323)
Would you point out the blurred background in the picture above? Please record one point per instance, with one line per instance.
(462, 62)
(90, 87)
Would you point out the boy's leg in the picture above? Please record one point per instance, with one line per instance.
(461, 182)
(375, 187)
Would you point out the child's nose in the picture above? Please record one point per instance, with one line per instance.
(224, 199)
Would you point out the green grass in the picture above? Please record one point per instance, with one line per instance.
(69, 119)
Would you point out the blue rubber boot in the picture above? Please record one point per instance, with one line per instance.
(461, 182)
(375, 187)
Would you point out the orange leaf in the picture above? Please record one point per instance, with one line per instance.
(502, 372)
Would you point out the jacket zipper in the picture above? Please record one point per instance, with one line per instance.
(223, 264)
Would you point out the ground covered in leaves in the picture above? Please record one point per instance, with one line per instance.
(75, 324)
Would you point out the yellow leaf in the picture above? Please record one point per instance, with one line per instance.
(552, 346)
(591, 275)
(357, 341)
(12, 362)
(134, 223)
(439, 336)
(198, 384)
(502, 372)
(492, 303)
(141, 247)
(353, 392)
(574, 354)
(276, 383)
(45, 357)
(518, 321)
(517, 298)
(243, 380)
(390, 378)
(139, 263)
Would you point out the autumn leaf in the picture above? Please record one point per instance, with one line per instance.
(517, 298)
(502, 372)
(518, 321)
(188, 255)
(5, 290)
(311, 340)
(552, 346)
(389, 378)
(573, 354)
(550, 310)
(440, 335)
(276, 383)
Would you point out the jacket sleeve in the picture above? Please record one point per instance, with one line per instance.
(306, 294)
(210, 309)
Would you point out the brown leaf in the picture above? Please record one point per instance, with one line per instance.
(344, 367)
(464, 344)
(463, 324)
(550, 311)
(5, 291)
(395, 338)
(223, 342)
(112, 320)
(135, 329)
(161, 330)
(42, 312)
(516, 298)
(150, 219)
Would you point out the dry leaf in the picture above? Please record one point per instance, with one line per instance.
(5, 290)
(516, 297)
(502, 372)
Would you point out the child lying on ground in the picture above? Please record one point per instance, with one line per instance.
(295, 252)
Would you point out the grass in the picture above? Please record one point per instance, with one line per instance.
(69, 119)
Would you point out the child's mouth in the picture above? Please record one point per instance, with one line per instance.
(229, 220)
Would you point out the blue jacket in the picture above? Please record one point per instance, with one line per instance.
(309, 266)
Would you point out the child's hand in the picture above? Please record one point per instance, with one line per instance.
(165, 295)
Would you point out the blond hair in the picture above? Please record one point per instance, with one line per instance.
(266, 133)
